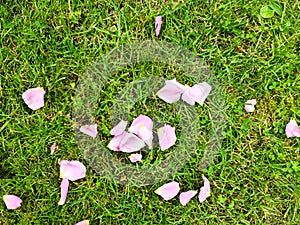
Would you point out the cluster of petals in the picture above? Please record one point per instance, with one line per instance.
(140, 134)
(69, 170)
(170, 190)
(173, 90)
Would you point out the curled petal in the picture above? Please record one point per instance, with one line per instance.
(249, 105)
(292, 129)
(205, 190)
(52, 148)
(171, 92)
(158, 22)
(168, 191)
(64, 187)
(84, 222)
(72, 170)
(90, 130)
(198, 93)
(166, 137)
(185, 197)
(12, 201)
(34, 98)
(135, 158)
(142, 126)
(119, 128)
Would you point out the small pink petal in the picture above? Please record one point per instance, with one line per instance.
(64, 187)
(171, 92)
(131, 143)
(185, 197)
(168, 191)
(84, 222)
(198, 93)
(249, 106)
(166, 137)
(142, 126)
(119, 128)
(158, 22)
(205, 190)
(90, 130)
(135, 158)
(52, 148)
(34, 98)
(72, 170)
(292, 129)
(12, 201)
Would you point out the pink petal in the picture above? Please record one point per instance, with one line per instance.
(84, 222)
(52, 148)
(131, 143)
(185, 197)
(34, 98)
(171, 91)
(166, 137)
(114, 143)
(198, 93)
(64, 190)
(90, 130)
(142, 126)
(119, 128)
(135, 158)
(12, 201)
(292, 129)
(169, 190)
(158, 22)
(249, 106)
(205, 190)
(72, 170)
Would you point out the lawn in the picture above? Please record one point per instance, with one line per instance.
(255, 176)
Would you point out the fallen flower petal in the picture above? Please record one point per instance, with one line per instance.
(158, 22)
(34, 98)
(171, 92)
(292, 129)
(205, 190)
(114, 143)
(64, 187)
(84, 222)
(249, 105)
(185, 197)
(52, 148)
(166, 137)
(119, 128)
(142, 126)
(168, 191)
(90, 130)
(198, 93)
(135, 158)
(12, 201)
(72, 170)
(131, 143)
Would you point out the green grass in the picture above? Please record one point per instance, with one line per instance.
(256, 176)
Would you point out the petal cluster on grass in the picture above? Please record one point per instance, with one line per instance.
(34, 98)
(170, 190)
(69, 170)
(250, 105)
(12, 201)
(173, 90)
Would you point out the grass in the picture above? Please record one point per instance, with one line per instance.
(255, 178)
